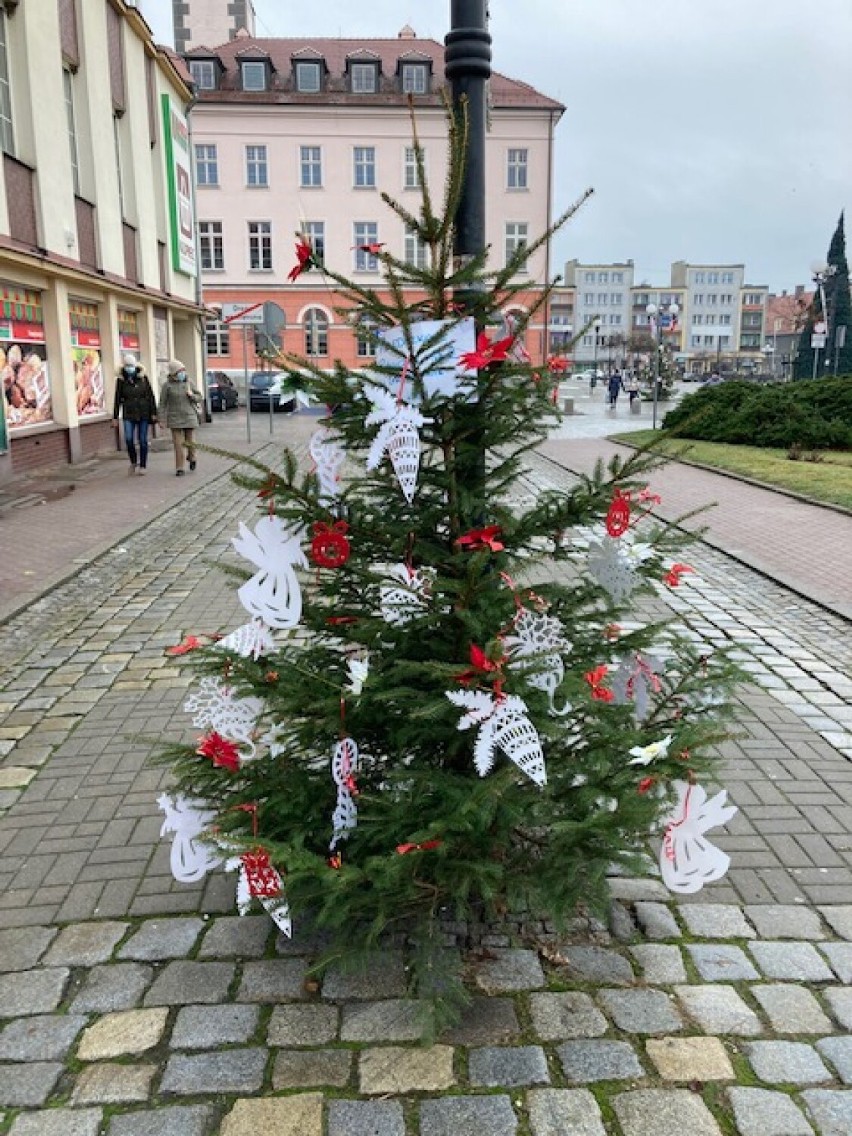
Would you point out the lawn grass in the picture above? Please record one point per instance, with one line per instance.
(828, 480)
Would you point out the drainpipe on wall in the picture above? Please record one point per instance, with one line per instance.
(199, 293)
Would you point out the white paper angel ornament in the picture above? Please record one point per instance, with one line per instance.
(328, 455)
(190, 858)
(503, 724)
(535, 644)
(273, 594)
(398, 438)
(259, 879)
(687, 860)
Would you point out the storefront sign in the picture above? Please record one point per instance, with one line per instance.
(86, 358)
(179, 177)
(24, 371)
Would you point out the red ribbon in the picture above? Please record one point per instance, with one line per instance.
(672, 577)
(478, 539)
(595, 679)
(426, 846)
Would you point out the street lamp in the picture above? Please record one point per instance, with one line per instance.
(821, 272)
(596, 328)
(666, 320)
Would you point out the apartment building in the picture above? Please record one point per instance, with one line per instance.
(96, 224)
(711, 311)
(670, 327)
(753, 326)
(602, 306)
(303, 135)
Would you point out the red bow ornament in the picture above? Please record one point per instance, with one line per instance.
(595, 679)
(304, 258)
(557, 364)
(187, 644)
(330, 547)
(477, 539)
(426, 846)
(672, 577)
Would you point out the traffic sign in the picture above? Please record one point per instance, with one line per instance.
(818, 342)
(241, 314)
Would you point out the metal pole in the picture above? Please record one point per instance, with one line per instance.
(246, 382)
(656, 375)
(816, 362)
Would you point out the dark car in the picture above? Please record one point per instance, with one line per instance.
(223, 393)
(265, 388)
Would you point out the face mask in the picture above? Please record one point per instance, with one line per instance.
(129, 371)
(181, 376)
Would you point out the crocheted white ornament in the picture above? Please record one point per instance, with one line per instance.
(398, 438)
(190, 859)
(272, 594)
(328, 456)
(534, 646)
(504, 725)
(251, 640)
(687, 860)
(344, 766)
(405, 600)
(215, 708)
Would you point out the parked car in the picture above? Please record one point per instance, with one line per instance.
(587, 376)
(223, 393)
(265, 388)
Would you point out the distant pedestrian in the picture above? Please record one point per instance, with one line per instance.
(613, 389)
(179, 405)
(134, 400)
(630, 385)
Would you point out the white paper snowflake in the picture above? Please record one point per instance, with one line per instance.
(251, 640)
(535, 644)
(344, 766)
(614, 563)
(398, 437)
(190, 858)
(214, 707)
(687, 860)
(358, 670)
(273, 594)
(408, 597)
(328, 455)
(503, 724)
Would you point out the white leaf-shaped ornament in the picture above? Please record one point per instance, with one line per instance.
(328, 455)
(344, 766)
(214, 707)
(399, 437)
(358, 669)
(687, 860)
(190, 858)
(273, 594)
(535, 645)
(405, 600)
(504, 724)
(275, 906)
(251, 640)
(478, 703)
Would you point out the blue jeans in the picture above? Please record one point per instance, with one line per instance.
(130, 431)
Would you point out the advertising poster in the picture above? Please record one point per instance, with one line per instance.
(128, 331)
(86, 358)
(179, 178)
(24, 372)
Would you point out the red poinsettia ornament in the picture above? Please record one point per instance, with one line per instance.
(477, 539)
(304, 258)
(557, 364)
(486, 353)
(220, 751)
(595, 679)
(330, 547)
(187, 644)
(672, 577)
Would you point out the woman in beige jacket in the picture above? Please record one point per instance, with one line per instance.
(178, 409)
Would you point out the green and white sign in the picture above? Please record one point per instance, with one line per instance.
(179, 177)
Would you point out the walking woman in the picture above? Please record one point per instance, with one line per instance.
(134, 399)
(179, 405)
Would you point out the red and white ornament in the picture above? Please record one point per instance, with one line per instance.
(273, 594)
(398, 438)
(504, 725)
(344, 766)
(251, 640)
(259, 880)
(687, 860)
(190, 858)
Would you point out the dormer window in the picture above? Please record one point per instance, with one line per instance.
(308, 76)
(364, 78)
(415, 78)
(203, 72)
(254, 74)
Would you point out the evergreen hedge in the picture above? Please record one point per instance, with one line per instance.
(812, 414)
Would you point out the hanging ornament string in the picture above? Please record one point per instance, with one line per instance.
(668, 836)
(251, 809)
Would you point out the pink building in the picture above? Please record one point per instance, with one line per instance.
(304, 135)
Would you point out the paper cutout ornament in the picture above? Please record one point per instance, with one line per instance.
(687, 860)
(534, 645)
(328, 456)
(636, 679)
(344, 766)
(330, 546)
(618, 514)
(613, 562)
(190, 858)
(274, 904)
(398, 438)
(251, 640)
(215, 707)
(503, 724)
(358, 670)
(644, 755)
(408, 597)
(272, 594)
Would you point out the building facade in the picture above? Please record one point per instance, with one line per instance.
(711, 311)
(602, 309)
(302, 136)
(96, 222)
(198, 22)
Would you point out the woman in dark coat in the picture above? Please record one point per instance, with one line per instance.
(134, 399)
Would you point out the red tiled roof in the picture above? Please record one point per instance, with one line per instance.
(504, 92)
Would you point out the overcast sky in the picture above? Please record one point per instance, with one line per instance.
(713, 131)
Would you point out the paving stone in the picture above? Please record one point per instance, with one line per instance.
(206, 1027)
(29, 1085)
(272, 980)
(799, 962)
(511, 969)
(175, 1120)
(761, 1112)
(395, 1070)
(597, 964)
(662, 965)
(111, 1083)
(236, 936)
(839, 956)
(485, 1020)
(716, 921)
(830, 1109)
(839, 918)
(119, 986)
(690, 1059)
(719, 1010)
(786, 1062)
(838, 1050)
(840, 1003)
(474, 1116)
(58, 1122)
(508, 1066)
(586, 1061)
(564, 1112)
(651, 1112)
(299, 1115)
(656, 920)
(640, 890)
(15, 776)
(184, 983)
(560, 1016)
(47, 1037)
(791, 1009)
(22, 947)
(85, 944)
(641, 1011)
(381, 976)
(159, 939)
(365, 1118)
(294, 1025)
(396, 1019)
(128, 1031)
(32, 991)
(785, 921)
(231, 1071)
(716, 962)
(311, 1068)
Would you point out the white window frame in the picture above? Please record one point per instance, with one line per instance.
(415, 78)
(316, 325)
(206, 165)
(363, 78)
(218, 337)
(515, 234)
(211, 246)
(365, 233)
(260, 246)
(365, 338)
(517, 168)
(305, 67)
(314, 231)
(364, 167)
(253, 67)
(409, 168)
(203, 72)
(257, 167)
(416, 250)
(310, 167)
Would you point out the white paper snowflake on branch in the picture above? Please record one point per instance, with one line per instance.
(273, 594)
(503, 724)
(251, 640)
(408, 596)
(344, 766)
(190, 858)
(398, 437)
(328, 455)
(687, 860)
(614, 563)
(215, 707)
(536, 644)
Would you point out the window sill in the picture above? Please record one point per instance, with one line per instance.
(266, 186)
(213, 271)
(517, 189)
(261, 271)
(208, 185)
(359, 188)
(311, 187)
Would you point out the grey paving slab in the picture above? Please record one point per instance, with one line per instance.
(382, 975)
(839, 1001)
(839, 918)
(58, 1122)
(599, 1060)
(119, 986)
(838, 1051)
(830, 1110)
(564, 1112)
(839, 957)
(785, 921)
(206, 1027)
(718, 962)
(799, 962)
(642, 1011)
(28, 1085)
(656, 920)
(311, 1068)
(272, 980)
(716, 921)
(365, 1118)
(650, 1112)
(32, 992)
(485, 1020)
(47, 1037)
(159, 939)
(231, 1071)
(509, 970)
(786, 1062)
(762, 1112)
(23, 947)
(171, 1120)
(563, 1015)
(85, 944)
(300, 1025)
(597, 964)
(234, 936)
(661, 964)
(475, 1116)
(393, 1019)
(508, 1066)
(184, 982)
(791, 1009)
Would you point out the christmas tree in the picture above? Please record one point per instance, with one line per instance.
(437, 708)
(837, 352)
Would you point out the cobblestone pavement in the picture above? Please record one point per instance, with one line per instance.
(134, 1006)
